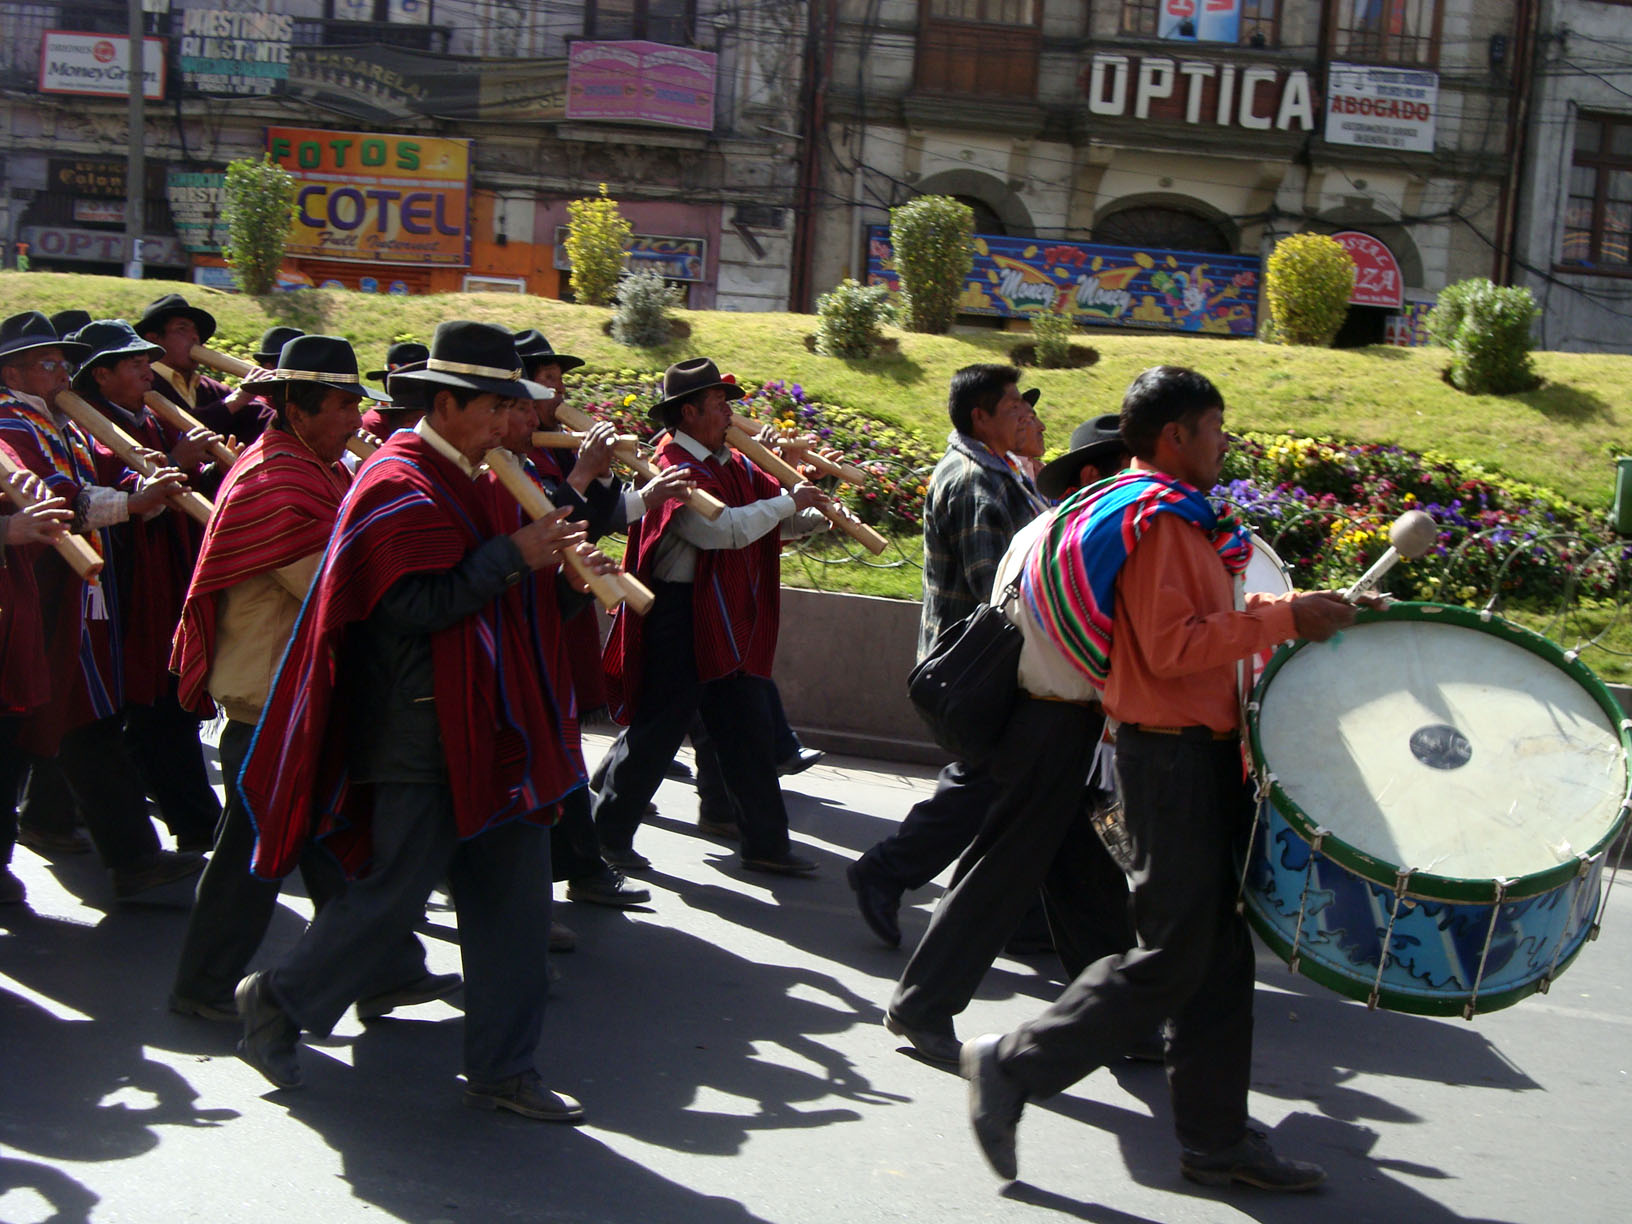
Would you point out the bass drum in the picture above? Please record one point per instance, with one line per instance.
(1440, 790)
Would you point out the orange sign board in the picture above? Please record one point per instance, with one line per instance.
(377, 198)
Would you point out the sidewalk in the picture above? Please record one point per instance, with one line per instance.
(728, 1049)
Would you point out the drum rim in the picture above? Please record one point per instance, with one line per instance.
(1426, 885)
(1392, 998)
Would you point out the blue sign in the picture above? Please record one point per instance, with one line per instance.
(1109, 286)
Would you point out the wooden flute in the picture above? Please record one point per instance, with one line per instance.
(628, 453)
(80, 554)
(847, 472)
(610, 589)
(788, 476)
(195, 505)
(177, 417)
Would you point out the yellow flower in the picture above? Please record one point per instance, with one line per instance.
(628, 399)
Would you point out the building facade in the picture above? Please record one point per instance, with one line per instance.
(1575, 217)
(436, 143)
(1182, 128)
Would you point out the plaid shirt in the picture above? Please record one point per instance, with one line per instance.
(976, 503)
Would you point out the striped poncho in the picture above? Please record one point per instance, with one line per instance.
(1069, 581)
(278, 504)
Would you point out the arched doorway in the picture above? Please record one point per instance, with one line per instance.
(1163, 225)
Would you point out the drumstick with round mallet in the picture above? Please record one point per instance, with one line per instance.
(1411, 535)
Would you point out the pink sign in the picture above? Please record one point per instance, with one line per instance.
(641, 82)
(1377, 280)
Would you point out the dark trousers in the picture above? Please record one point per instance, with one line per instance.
(162, 739)
(1185, 805)
(13, 765)
(46, 804)
(501, 890)
(575, 850)
(713, 798)
(1036, 835)
(106, 788)
(936, 831)
(731, 708)
(233, 907)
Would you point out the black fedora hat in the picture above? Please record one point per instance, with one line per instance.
(32, 330)
(327, 361)
(406, 396)
(67, 322)
(108, 341)
(400, 355)
(272, 341)
(1091, 442)
(534, 349)
(170, 306)
(686, 378)
(471, 356)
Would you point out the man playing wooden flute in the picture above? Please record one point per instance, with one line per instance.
(81, 723)
(177, 328)
(411, 730)
(272, 521)
(153, 555)
(25, 684)
(711, 632)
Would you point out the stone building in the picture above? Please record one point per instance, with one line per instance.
(685, 109)
(1574, 245)
(1186, 128)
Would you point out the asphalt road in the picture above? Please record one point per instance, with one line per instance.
(727, 1045)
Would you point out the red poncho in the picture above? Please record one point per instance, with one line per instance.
(24, 680)
(736, 596)
(277, 505)
(410, 511)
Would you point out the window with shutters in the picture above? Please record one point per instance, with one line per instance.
(1598, 207)
(979, 48)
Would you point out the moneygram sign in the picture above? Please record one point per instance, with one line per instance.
(376, 198)
(98, 65)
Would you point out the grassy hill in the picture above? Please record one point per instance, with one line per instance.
(1564, 435)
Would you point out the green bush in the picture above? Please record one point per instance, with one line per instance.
(934, 242)
(597, 237)
(1053, 333)
(259, 208)
(1307, 282)
(641, 319)
(1490, 341)
(849, 317)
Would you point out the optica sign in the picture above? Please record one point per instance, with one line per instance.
(377, 198)
(1377, 280)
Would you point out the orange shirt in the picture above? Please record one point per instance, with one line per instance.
(1176, 635)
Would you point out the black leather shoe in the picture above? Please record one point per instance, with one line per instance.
(800, 761)
(224, 1010)
(781, 864)
(879, 903)
(725, 830)
(678, 770)
(611, 888)
(526, 1095)
(626, 860)
(155, 871)
(932, 1045)
(269, 1038)
(1251, 1162)
(50, 842)
(995, 1102)
(423, 989)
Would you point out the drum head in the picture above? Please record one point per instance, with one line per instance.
(1266, 573)
(1426, 739)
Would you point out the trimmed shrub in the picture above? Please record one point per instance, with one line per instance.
(259, 207)
(1490, 341)
(849, 317)
(597, 237)
(1307, 281)
(641, 319)
(1053, 334)
(934, 239)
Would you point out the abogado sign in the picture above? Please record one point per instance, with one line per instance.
(1381, 108)
(377, 198)
(98, 65)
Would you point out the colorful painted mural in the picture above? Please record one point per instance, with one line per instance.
(1108, 286)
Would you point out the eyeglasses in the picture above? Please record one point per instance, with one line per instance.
(51, 367)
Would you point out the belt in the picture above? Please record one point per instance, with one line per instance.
(1190, 733)
(1086, 702)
